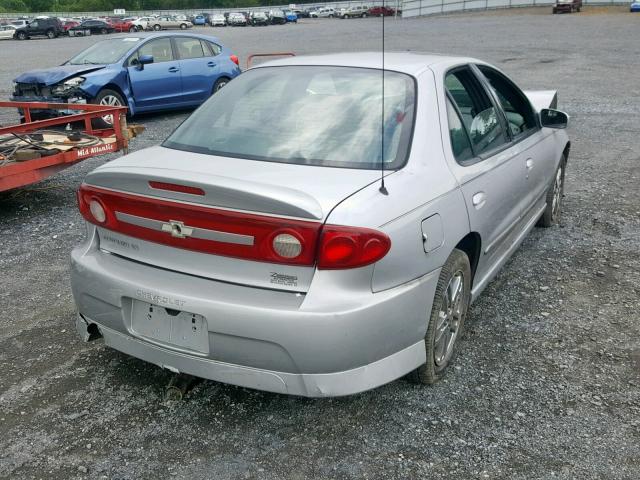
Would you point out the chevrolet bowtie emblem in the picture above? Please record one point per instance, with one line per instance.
(177, 229)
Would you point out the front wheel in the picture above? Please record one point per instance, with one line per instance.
(110, 98)
(51, 34)
(103, 31)
(553, 210)
(22, 36)
(183, 26)
(445, 322)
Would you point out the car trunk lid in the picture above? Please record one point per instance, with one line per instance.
(229, 208)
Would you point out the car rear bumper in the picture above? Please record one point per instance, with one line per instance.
(257, 338)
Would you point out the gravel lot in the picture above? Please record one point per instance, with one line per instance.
(547, 382)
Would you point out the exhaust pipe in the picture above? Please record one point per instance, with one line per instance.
(88, 331)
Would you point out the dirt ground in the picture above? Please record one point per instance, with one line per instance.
(547, 381)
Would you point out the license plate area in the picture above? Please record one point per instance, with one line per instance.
(169, 327)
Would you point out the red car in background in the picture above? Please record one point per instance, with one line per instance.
(382, 11)
(69, 24)
(123, 25)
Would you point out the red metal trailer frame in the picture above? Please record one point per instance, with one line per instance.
(19, 174)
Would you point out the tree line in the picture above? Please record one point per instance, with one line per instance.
(8, 6)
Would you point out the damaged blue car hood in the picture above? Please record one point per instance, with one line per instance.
(53, 75)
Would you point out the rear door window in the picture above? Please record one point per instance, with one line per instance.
(189, 47)
(518, 111)
(476, 110)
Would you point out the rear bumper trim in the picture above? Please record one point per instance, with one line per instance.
(346, 382)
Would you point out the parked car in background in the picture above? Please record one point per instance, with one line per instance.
(199, 20)
(20, 23)
(167, 23)
(257, 246)
(277, 17)
(123, 25)
(7, 31)
(69, 24)
(301, 12)
(142, 23)
(161, 71)
(324, 12)
(237, 19)
(290, 16)
(45, 27)
(567, 6)
(96, 27)
(381, 11)
(218, 20)
(635, 6)
(354, 11)
(259, 19)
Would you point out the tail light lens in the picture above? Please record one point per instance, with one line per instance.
(273, 239)
(97, 211)
(350, 247)
(235, 59)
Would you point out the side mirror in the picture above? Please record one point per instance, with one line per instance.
(145, 59)
(553, 118)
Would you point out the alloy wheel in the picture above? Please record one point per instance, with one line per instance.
(557, 195)
(111, 101)
(449, 319)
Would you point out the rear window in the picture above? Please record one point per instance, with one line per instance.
(322, 116)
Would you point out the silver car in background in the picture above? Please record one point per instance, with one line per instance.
(258, 245)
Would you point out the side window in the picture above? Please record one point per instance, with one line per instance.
(214, 48)
(33, 24)
(189, 47)
(476, 110)
(160, 48)
(460, 143)
(516, 106)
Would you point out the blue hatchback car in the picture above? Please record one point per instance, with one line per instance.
(635, 6)
(146, 73)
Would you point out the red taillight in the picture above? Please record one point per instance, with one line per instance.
(230, 233)
(212, 230)
(350, 247)
(235, 59)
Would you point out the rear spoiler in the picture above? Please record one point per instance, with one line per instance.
(543, 98)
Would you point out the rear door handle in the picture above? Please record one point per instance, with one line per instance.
(478, 200)
(211, 64)
(174, 69)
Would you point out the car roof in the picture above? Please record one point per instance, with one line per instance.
(412, 63)
(147, 36)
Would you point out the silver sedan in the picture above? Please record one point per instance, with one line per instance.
(320, 226)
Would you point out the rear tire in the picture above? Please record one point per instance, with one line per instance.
(22, 36)
(157, 28)
(51, 34)
(183, 26)
(132, 29)
(103, 31)
(219, 85)
(445, 322)
(553, 211)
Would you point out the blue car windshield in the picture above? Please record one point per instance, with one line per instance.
(105, 52)
(307, 115)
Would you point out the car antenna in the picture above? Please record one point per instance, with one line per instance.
(382, 188)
